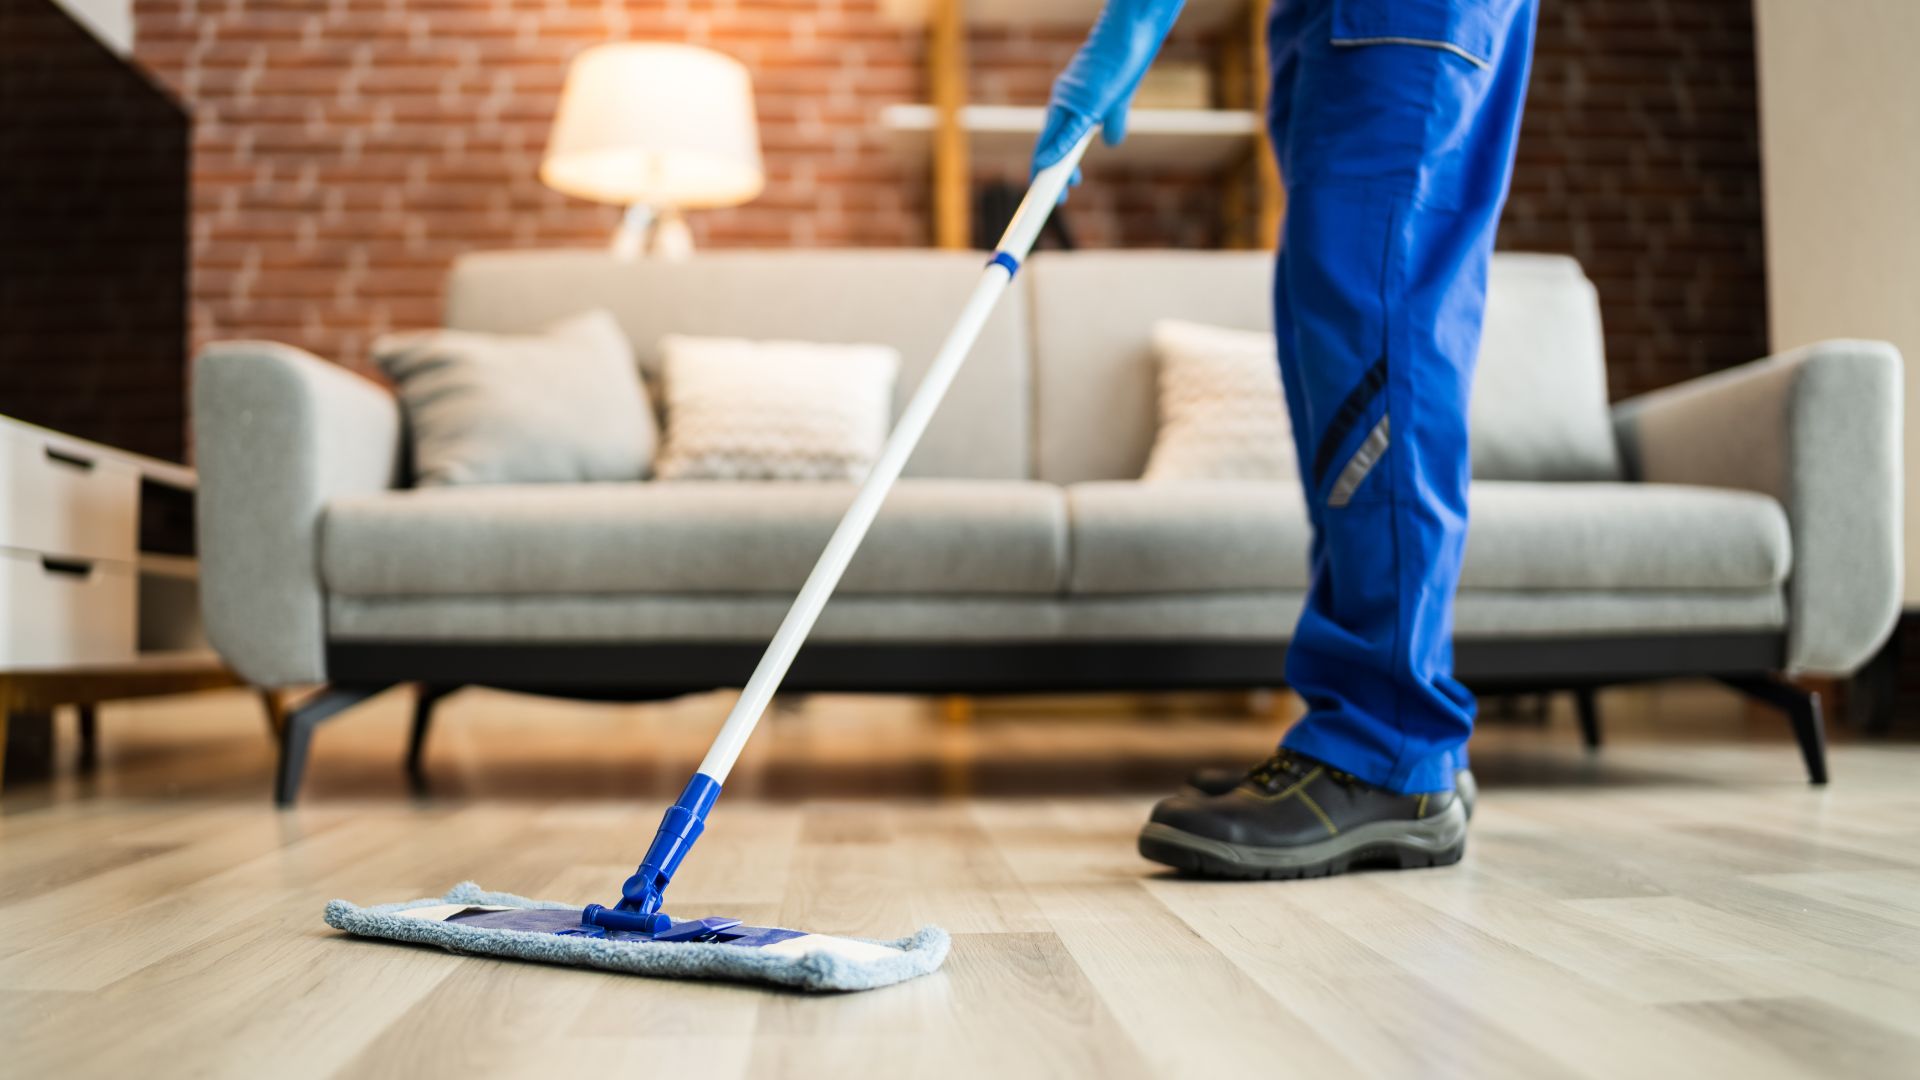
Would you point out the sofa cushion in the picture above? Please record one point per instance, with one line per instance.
(1623, 537)
(932, 537)
(1152, 538)
(774, 410)
(561, 406)
(1198, 536)
(1222, 413)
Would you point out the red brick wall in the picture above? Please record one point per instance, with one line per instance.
(346, 150)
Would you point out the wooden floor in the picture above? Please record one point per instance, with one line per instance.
(1683, 905)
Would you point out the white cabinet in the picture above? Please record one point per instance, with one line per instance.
(72, 571)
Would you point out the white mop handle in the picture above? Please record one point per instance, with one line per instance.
(1019, 238)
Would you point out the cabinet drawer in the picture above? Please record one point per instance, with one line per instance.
(66, 502)
(64, 611)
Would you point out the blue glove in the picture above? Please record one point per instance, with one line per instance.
(1099, 82)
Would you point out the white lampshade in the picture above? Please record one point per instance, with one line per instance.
(658, 125)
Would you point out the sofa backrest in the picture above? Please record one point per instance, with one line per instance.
(1540, 397)
(1062, 384)
(1540, 394)
(906, 299)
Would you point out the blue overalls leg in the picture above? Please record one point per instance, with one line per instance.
(1394, 122)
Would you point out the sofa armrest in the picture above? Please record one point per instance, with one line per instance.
(1819, 429)
(278, 434)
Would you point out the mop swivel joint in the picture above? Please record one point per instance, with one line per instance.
(641, 896)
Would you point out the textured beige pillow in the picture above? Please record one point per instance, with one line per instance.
(563, 405)
(1222, 413)
(774, 410)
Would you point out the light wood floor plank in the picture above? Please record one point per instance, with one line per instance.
(1637, 969)
(1388, 1022)
(1555, 1009)
(1821, 1039)
(1012, 1005)
(1153, 971)
(1886, 896)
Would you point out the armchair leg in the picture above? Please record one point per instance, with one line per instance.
(297, 733)
(426, 696)
(1802, 709)
(1586, 703)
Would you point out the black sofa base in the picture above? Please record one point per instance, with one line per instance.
(1019, 667)
(627, 671)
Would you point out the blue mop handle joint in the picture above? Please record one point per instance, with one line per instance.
(644, 892)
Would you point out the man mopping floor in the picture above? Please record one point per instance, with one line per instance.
(1394, 124)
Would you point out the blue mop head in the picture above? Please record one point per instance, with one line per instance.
(523, 929)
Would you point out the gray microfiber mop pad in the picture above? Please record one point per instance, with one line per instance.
(917, 955)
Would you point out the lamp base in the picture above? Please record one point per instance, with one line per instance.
(672, 239)
(658, 232)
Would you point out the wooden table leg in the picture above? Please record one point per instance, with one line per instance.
(957, 710)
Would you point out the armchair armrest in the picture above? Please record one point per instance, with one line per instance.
(278, 434)
(1819, 429)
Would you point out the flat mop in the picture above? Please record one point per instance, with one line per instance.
(635, 935)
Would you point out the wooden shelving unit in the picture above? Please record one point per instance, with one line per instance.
(1204, 14)
(1003, 134)
(955, 135)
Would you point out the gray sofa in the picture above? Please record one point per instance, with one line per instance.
(1741, 525)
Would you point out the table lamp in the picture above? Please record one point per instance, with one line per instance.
(656, 128)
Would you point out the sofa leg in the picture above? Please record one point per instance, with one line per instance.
(297, 733)
(89, 723)
(426, 697)
(1586, 703)
(1802, 709)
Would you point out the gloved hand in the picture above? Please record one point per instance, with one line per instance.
(1099, 82)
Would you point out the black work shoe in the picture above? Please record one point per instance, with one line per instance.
(1294, 817)
(1219, 781)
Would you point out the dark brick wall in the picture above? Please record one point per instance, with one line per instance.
(345, 151)
(1640, 156)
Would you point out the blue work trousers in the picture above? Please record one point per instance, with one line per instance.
(1394, 122)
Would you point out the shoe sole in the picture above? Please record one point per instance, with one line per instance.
(1402, 845)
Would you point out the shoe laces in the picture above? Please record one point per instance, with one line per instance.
(1286, 767)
